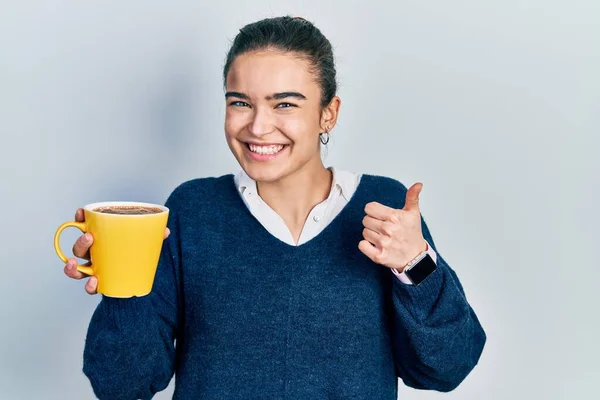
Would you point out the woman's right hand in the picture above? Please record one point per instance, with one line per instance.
(81, 249)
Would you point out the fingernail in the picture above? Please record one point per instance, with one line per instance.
(69, 264)
(86, 238)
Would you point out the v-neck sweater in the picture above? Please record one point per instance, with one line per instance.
(227, 317)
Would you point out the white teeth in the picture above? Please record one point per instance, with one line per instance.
(266, 149)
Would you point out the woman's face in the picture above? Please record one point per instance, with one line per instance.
(273, 115)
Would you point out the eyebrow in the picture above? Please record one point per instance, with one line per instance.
(284, 95)
(237, 94)
(274, 96)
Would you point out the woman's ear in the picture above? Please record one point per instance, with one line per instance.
(329, 114)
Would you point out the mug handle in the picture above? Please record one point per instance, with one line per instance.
(81, 226)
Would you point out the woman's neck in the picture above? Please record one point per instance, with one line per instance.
(294, 196)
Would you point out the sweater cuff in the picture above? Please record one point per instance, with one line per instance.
(124, 312)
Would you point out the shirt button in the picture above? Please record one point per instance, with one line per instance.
(316, 218)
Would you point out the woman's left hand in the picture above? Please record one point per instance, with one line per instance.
(393, 237)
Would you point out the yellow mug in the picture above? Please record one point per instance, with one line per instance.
(126, 247)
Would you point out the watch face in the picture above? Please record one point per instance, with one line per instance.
(421, 270)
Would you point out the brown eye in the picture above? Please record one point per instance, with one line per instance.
(239, 104)
(285, 105)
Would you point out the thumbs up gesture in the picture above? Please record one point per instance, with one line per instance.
(393, 237)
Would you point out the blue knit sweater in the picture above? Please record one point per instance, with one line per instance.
(236, 313)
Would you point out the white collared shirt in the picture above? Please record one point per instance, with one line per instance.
(343, 187)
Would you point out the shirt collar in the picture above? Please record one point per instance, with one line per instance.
(245, 183)
(341, 179)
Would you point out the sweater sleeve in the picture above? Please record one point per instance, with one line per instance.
(129, 350)
(438, 339)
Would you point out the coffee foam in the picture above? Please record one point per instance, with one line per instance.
(92, 207)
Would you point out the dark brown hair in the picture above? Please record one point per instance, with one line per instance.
(289, 34)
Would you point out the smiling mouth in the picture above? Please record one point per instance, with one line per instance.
(265, 150)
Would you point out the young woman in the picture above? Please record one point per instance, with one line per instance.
(288, 280)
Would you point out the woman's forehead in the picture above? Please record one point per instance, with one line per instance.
(270, 72)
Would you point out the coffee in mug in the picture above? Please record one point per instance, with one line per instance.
(128, 210)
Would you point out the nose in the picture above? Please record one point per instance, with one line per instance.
(261, 123)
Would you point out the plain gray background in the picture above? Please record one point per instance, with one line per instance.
(493, 105)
